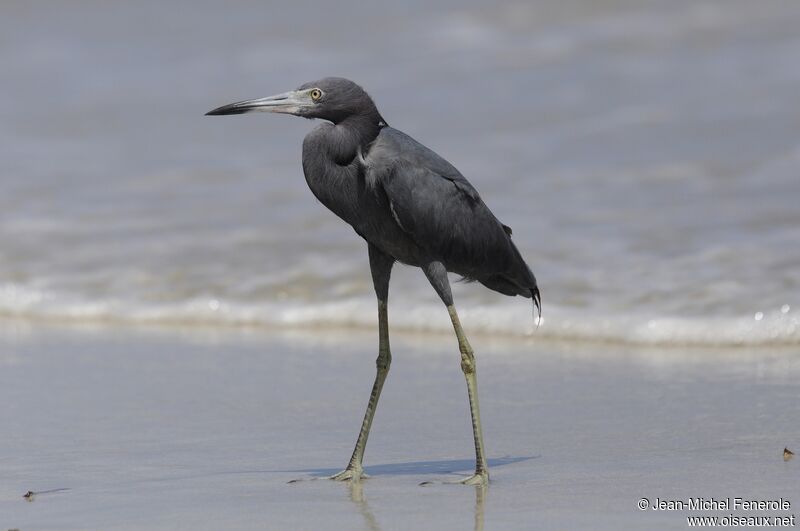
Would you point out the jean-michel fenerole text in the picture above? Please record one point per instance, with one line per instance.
(721, 504)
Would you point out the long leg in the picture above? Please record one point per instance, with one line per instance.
(381, 267)
(437, 275)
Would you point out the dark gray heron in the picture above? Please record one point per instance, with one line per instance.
(411, 206)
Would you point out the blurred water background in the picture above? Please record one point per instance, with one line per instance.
(646, 154)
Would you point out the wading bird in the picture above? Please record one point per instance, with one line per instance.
(411, 206)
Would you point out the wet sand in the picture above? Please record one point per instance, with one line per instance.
(195, 429)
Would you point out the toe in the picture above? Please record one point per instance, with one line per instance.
(349, 474)
(477, 479)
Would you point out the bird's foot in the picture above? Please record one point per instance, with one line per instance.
(350, 474)
(479, 478)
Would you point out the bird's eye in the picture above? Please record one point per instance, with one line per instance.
(315, 94)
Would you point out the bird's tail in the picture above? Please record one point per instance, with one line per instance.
(528, 283)
(518, 279)
(537, 304)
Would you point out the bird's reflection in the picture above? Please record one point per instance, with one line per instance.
(357, 497)
(480, 501)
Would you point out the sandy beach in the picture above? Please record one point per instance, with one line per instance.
(196, 429)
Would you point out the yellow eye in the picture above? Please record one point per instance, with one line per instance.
(315, 94)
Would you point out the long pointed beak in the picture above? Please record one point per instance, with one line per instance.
(286, 103)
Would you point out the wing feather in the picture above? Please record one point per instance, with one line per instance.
(436, 205)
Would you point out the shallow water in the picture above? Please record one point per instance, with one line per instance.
(645, 154)
(120, 429)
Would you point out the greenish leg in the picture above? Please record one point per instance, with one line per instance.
(481, 476)
(355, 470)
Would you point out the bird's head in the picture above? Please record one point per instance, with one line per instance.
(332, 98)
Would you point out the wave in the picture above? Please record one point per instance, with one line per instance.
(779, 327)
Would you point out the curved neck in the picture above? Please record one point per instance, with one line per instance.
(364, 126)
(354, 132)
